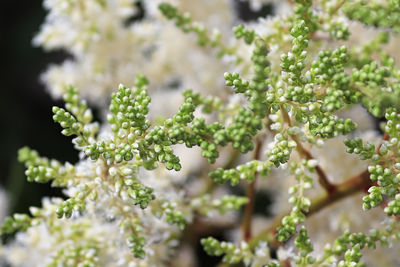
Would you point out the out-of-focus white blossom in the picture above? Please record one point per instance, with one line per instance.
(106, 50)
(3, 204)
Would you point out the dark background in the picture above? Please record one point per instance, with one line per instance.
(25, 106)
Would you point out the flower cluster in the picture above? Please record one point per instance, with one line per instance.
(272, 99)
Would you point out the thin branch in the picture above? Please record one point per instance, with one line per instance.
(337, 7)
(248, 211)
(251, 193)
(349, 187)
(304, 153)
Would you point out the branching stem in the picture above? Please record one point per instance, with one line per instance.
(304, 153)
(349, 187)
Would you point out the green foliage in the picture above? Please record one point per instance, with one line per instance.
(351, 244)
(76, 120)
(241, 32)
(242, 172)
(185, 23)
(339, 31)
(232, 254)
(205, 205)
(384, 171)
(129, 109)
(173, 216)
(301, 204)
(280, 153)
(18, 222)
(305, 248)
(141, 195)
(43, 170)
(70, 205)
(136, 244)
(292, 101)
(375, 13)
(356, 146)
(239, 85)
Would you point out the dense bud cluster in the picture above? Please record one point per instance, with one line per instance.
(356, 146)
(205, 206)
(280, 152)
(305, 246)
(375, 13)
(242, 172)
(338, 30)
(301, 204)
(241, 32)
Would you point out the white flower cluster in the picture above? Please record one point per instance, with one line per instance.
(107, 48)
(108, 44)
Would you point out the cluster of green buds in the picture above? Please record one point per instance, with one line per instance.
(351, 244)
(241, 32)
(136, 244)
(387, 183)
(174, 216)
(141, 195)
(365, 152)
(67, 121)
(339, 31)
(239, 85)
(375, 13)
(392, 126)
(393, 207)
(329, 126)
(184, 22)
(43, 170)
(84, 254)
(280, 152)
(69, 206)
(301, 203)
(293, 62)
(385, 171)
(204, 204)
(129, 108)
(303, 243)
(135, 144)
(18, 222)
(76, 119)
(242, 172)
(245, 125)
(328, 65)
(301, 94)
(371, 75)
(260, 83)
(232, 254)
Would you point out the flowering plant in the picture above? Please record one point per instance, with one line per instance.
(282, 106)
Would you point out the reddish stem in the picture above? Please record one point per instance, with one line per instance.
(251, 194)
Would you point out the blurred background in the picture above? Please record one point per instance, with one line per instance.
(25, 106)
